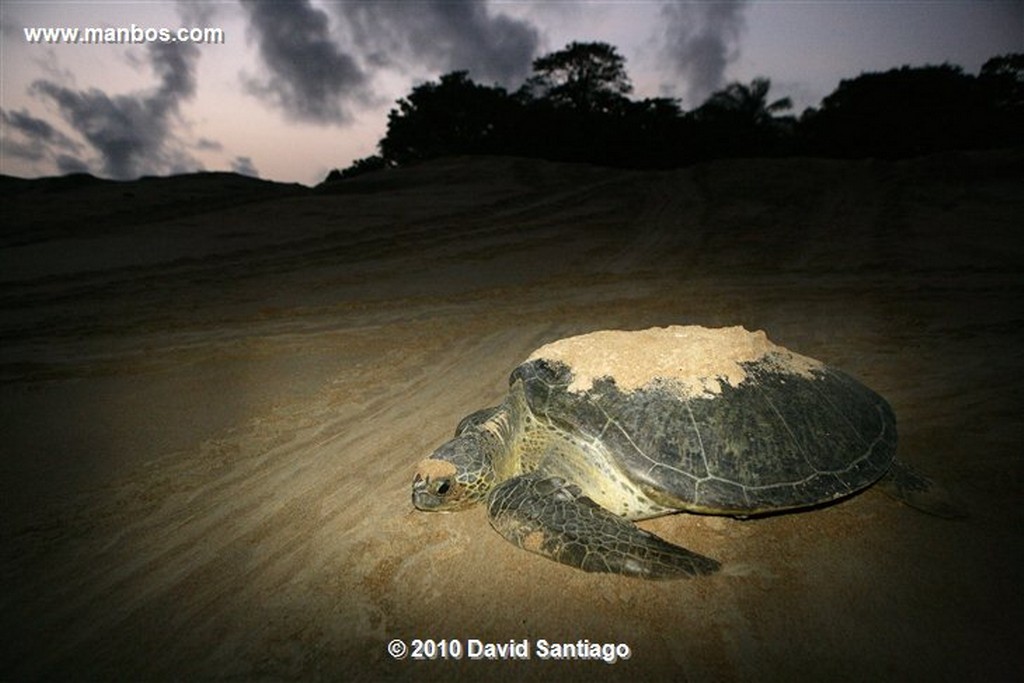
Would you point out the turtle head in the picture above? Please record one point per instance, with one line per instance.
(455, 476)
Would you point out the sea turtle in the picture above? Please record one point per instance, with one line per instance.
(612, 426)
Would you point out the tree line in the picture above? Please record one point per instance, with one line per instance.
(576, 107)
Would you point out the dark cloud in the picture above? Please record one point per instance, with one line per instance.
(244, 166)
(445, 35)
(307, 75)
(134, 134)
(36, 139)
(69, 164)
(312, 78)
(701, 40)
(175, 64)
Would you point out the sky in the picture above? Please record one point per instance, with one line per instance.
(299, 87)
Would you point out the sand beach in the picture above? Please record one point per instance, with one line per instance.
(214, 391)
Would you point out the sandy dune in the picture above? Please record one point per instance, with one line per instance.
(211, 412)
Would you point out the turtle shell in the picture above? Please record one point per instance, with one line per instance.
(776, 440)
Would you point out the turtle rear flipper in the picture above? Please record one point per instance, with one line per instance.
(550, 517)
(909, 486)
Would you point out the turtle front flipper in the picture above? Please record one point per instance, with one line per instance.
(550, 517)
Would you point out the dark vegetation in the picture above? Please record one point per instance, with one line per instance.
(576, 107)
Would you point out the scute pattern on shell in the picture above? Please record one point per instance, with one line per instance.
(779, 440)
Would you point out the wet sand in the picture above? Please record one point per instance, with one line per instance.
(212, 412)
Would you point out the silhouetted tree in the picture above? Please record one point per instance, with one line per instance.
(587, 77)
(452, 116)
(575, 108)
(739, 120)
(746, 103)
(654, 133)
(368, 164)
(900, 113)
(1002, 83)
(1003, 76)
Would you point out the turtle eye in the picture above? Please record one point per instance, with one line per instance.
(443, 486)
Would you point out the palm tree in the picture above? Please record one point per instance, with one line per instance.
(739, 120)
(745, 104)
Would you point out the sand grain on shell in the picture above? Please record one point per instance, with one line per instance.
(693, 359)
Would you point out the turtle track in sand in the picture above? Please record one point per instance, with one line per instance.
(208, 460)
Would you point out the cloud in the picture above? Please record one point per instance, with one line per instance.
(133, 134)
(208, 145)
(244, 166)
(69, 164)
(307, 75)
(193, 13)
(311, 77)
(175, 64)
(445, 35)
(38, 140)
(701, 40)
